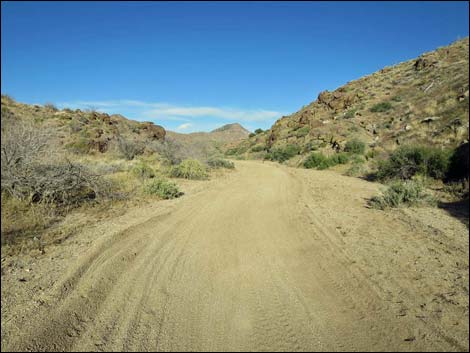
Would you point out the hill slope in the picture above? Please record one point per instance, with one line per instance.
(424, 100)
(202, 144)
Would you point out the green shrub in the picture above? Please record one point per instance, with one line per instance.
(258, 131)
(350, 114)
(338, 158)
(283, 154)
(355, 146)
(319, 161)
(252, 134)
(402, 193)
(302, 131)
(381, 107)
(371, 154)
(408, 161)
(190, 169)
(220, 163)
(162, 188)
(257, 148)
(355, 170)
(236, 150)
(143, 170)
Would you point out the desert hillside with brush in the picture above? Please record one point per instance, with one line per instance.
(421, 101)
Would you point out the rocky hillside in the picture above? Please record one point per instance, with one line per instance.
(85, 132)
(202, 144)
(423, 101)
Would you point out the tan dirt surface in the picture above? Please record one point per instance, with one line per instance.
(266, 258)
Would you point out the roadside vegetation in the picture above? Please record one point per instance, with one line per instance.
(46, 177)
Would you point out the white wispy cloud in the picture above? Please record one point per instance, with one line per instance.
(183, 127)
(165, 111)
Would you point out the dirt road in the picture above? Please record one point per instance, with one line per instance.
(271, 258)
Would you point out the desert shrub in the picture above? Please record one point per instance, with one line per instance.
(257, 148)
(381, 107)
(402, 193)
(220, 163)
(372, 153)
(129, 148)
(350, 114)
(356, 169)
(258, 131)
(64, 183)
(407, 161)
(284, 153)
(143, 170)
(338, 158)
(303, 131)
(355, 146)
(236, 150)
(252, 134)
(169, 150)
(190, 169)
(162, 188)
(320, 161)
(51, 106)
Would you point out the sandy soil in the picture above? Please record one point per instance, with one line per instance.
(267, 258)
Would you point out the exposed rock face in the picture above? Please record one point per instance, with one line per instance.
(337, 100)
(154, 131)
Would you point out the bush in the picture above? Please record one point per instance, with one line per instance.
(162, 188)
(338, 158)
(355, 146)
(128, 148)
(51, 106)
(350, 114)
(190, 169)
(408, 161)
(258, 131)
(252, 134)
(381, 107)
(355, 170)
(302, 131)
(283, 154)
(169, 150)
(143, 171)
(319, 161)
(220, 163)
(402, 193)
(257, 148)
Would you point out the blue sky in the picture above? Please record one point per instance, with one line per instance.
(193, 66)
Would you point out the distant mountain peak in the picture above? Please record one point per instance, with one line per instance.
(233, 127)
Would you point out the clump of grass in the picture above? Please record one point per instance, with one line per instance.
(190, 169)
(402, 193)
(320, 161)
(355, 146)
(407, 161)
(162, 188)
(220, 163)
(381, 107)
